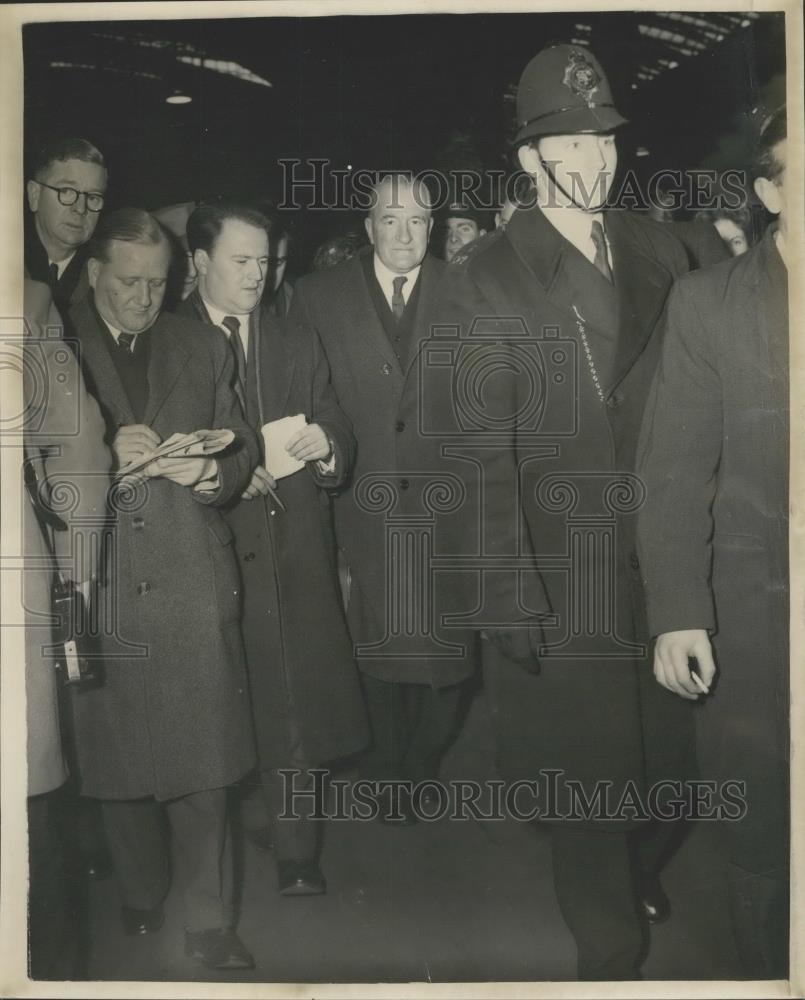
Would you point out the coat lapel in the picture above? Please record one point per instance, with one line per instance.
(168, 358)
(97, 363)
(360, 309)
(429, 279)
(642, 285)
(566, 277)
(271, 364)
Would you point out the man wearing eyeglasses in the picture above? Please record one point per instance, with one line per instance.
(65, 196)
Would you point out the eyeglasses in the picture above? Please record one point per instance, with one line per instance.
(69, 196)
(276, 261)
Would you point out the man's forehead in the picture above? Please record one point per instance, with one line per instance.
(235, 233)
(402, 196)
(126, 254)
(65, 171)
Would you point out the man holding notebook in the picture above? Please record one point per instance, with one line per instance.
(306, 697)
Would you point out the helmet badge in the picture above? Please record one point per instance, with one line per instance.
(581, 77)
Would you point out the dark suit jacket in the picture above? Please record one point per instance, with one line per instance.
(713, 533)
(557, 453)
(703, 246)
(395, 465)
(172, 716)
(72, 286)
(298, 651)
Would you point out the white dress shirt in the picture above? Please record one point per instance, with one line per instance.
(385, 278)
(62, 265)
(217, 316)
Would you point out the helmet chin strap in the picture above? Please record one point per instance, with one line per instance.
(567, 194)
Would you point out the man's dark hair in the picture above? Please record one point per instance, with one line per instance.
(772, 132)
(126, 225)
(206, 222)
(65, 148)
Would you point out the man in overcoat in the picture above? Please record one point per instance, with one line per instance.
(569, 298)
(67, 477)
(306, 696)
(169, 728)
(368, 313)
(714, 549)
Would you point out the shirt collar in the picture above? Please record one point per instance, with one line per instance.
(62, 265)
(575, 225)
(386, 276)
(217, 316)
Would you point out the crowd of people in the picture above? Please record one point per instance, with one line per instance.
(579, 491)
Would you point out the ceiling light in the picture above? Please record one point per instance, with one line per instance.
(178, 97)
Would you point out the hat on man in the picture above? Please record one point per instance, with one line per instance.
(463, 209)
(563, 91)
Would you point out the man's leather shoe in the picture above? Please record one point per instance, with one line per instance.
(654, 903)
(217, 949)
(142, 921)
(300, 878)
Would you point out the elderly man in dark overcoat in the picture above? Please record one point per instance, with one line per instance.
(570, 297)
(169, 728)
(714, 550)
(306, 696)
(369, 313)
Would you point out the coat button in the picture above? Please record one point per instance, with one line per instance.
(404, 484)
(143, 588)
(614, 401)
(634, 562)
(400, 426)
(248, 557)
(386, 369)
(138, 523)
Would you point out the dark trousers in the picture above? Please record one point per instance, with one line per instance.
(56, 914)
(138, 844)
(597, 876)
(412, 725)
(759, 910)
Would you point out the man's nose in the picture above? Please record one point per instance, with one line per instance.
(404, 235)
(257, 271)
(79, 206)
(144, 295)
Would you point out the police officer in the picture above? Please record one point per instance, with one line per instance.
(570, 694)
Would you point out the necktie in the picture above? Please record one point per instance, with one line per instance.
(397, 300)
(233, 325)
(601, 260)
(125, 342)
(54, 276)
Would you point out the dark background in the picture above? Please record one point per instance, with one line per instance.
(380, 92)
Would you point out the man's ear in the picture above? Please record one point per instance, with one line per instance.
(93, 268)
(529, 159)
(33, 191)
(769, 194)
(202, 261)
(368, 224)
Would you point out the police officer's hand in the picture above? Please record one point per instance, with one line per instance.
(133, 442)
(671, 668)
(518, 644)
